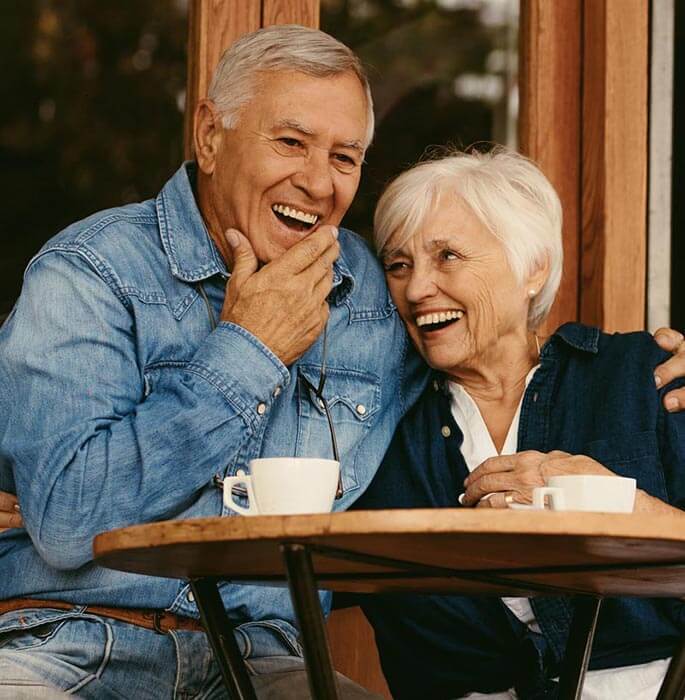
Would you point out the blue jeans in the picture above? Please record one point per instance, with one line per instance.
(53, 653)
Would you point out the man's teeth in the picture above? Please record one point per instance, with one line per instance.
(295, 214)
(441, 317)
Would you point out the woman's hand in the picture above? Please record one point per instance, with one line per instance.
(499, 481)
(10, 516)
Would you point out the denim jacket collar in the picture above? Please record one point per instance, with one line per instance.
(189, 247)
(583, 338)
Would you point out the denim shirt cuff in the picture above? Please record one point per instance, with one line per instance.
(241, 367)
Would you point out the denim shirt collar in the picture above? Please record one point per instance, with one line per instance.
(583, 338)
(192, 254)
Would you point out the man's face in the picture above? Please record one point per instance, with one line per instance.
(293, 161)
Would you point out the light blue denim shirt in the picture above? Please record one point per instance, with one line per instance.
(119, 404)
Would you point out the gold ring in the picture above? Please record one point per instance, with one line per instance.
(508, 499)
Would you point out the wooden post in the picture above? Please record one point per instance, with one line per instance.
(614, 172)
(550, 122)
(213, 26)
(304, 12)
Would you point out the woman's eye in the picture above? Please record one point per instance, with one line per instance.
(449, 255)
(396, 266)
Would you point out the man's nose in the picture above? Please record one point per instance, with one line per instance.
(314, 177)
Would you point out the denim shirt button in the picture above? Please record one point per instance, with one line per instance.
(445, 430)
(261, 409)
(277, 391)
(361, 409)
(190, 597)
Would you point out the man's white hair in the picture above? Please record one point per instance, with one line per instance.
(505, 190)
(281, 48)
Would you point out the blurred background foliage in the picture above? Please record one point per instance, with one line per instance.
(93, 93)
(91, 114)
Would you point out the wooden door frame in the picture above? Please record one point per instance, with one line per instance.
(584, 119)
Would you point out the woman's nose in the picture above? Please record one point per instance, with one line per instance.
(421, 285)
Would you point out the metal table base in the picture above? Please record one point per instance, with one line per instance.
(320, 672)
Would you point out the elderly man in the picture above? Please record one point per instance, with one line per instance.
(136, 371)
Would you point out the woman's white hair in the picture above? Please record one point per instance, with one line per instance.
(505, 190)
(281, 48)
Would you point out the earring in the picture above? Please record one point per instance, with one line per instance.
(532, 293)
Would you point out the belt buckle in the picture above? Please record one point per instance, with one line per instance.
(157, 617)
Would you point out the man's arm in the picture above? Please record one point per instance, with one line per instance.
(674, 368)
(110, 453)
(92, 443)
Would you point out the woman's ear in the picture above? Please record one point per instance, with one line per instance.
(208, 132)
(537, 278)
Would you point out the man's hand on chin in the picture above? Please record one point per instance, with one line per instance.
(673, 368)
(284, 302)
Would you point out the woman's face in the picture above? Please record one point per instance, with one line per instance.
(455, 291)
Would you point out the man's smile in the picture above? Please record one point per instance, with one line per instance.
(295, 218)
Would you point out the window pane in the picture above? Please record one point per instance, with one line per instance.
(441, 71)
(91, 115)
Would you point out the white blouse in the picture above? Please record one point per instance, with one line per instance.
(640, 682)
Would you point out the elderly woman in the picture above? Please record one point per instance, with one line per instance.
(471, 245)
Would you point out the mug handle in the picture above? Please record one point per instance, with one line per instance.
(556, 497)
(229, 483)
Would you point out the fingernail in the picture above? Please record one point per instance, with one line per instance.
(466, 481)
(17, 507)
(672, 404)
(232, 238)
(657, 380)
(335, 231)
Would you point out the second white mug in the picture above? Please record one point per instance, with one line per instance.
(587, 492)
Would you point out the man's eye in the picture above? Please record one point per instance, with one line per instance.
(290, 142)
(345, 163)
(450, 255)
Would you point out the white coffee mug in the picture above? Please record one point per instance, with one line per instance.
(587, 492)
(285, 486)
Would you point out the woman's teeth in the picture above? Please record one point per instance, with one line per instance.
(302, 217)
(440, 317)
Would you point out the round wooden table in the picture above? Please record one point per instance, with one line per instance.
(484, 552)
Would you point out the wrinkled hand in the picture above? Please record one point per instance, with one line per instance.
(517, 475)
(674, 368)
(9, 512)
(284, 303)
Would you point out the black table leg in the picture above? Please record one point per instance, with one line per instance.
(578, 647)
(317, 654)
(220, 631)
(673, 687)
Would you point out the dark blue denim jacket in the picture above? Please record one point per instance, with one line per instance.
(593, 394)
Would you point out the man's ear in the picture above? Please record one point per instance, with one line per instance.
(207, 135)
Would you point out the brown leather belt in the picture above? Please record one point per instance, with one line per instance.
(157, 620)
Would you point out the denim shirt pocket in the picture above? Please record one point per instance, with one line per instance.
(353, 400)
(634, 455)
